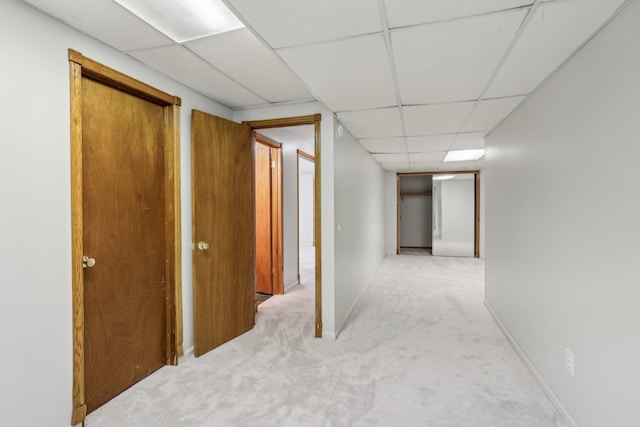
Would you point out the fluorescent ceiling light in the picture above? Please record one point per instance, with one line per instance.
(462, 155)
(442, 177)
(184, 20)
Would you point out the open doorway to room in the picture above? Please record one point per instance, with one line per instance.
(439, 214)
(294, 263)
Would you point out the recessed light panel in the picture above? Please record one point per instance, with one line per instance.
(463, 155)
(186, 19)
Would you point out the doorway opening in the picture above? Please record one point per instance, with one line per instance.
(299, 133)
(438, 213)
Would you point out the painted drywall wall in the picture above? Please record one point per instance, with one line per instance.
(562, 271)
(305, 212)
(359, 222)
(327, 205)
(35, 245)
(390, 212)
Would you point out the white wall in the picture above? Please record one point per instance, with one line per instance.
(290, 208)
(390, 212)
(327, 206)
(305, 216)
(35, 244)
(561, 270)
(359, 222)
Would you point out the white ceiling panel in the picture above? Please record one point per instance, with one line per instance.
(427, 157)
(454, 60)
(457, 166)
(490, 112)
(425, 144)
(436, 119)
(555, 32)
(105, 20)
(384, 145)
(293, 22)
(351, 74)
(468, 141)
(396, 166)
(425, 166)
(390, 158)
(240, 55)
(380, 123)
(179, 63)
(402, 13)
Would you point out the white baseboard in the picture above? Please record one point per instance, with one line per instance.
(328, 336)
(188, 353)
(287, 288)
(536, 374)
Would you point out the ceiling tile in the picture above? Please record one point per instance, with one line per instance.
(380, 123)
(179, 63)
(425, 166)
(555, 32)
(454, 60)
(390, 158)
(436, 119)
(396, 167)
(106, 21)
(402, 13)
(468, 141)
(384, 145)
(490, 112)
(293, 22)
(241, 56)
(456, 166)
(425, 144)
(351, 74)
(427, 157)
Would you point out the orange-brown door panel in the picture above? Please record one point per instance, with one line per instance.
(224, 283)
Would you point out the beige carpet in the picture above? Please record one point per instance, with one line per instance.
(420, 349)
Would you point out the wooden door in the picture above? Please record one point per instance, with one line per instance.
(123, 194)
(264, 256)
(223, 230)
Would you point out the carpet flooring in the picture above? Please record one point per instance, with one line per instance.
(419, 349)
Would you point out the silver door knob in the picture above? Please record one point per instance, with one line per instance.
(88, 262)
(203, 246)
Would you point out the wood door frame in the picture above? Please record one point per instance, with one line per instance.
(277, 237)
(81, 66)
(317, 226)
(302, 155)
(476, 224)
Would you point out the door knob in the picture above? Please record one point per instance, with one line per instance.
(88, 262)
(203, 246)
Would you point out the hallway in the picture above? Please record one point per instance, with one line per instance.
(418, 349)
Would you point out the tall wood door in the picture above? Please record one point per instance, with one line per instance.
(264, 256)
(224, 283)
(123, 218)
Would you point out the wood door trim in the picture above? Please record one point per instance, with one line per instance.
(317, 226)
(476, 173)
(79, 67)
(306, 156)
(272, 143)
(277, 222)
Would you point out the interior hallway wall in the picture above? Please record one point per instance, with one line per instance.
(562, 271)
(359, 222)
(35, 247)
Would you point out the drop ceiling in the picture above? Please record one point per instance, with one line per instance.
(410, 80)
